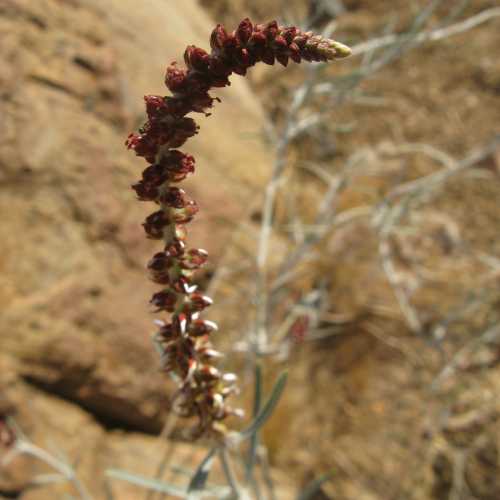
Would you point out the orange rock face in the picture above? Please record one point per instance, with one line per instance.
(73, 292)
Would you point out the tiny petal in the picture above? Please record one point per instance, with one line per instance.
(208, 373)
(230, 378)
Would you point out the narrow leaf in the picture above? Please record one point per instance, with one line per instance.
(200, 477)
(254, 440)
(146, 482)
(268, 408)
(314, 486)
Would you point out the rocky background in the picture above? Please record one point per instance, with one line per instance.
(76, 364)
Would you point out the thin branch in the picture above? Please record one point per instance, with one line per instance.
(27, 448)
(490, 335)
(428, 36)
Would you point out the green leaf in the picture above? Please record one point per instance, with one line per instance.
(314, 486)
(200, 477)
(268, 408)
(254, 440)
(146, 482)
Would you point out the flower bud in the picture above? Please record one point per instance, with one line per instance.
(200, 327)
(258, 39)
(154, 224)
(282, 59)
(155, 175)
(270, 30)
(207, 373)
(186, 214)
(160, 262)
(174, 197)
(175, 79)
(143, 145)
(280, 43)
(294, 52)
(300, 40)
(182, 285)
(268, 56)
(197, 302)
(194, 258)
(243, 58)
(207, 354)
(177, 165)
(168, 332)
(289, 34)
(164, 301)
(244, 31)
(219, 67)
(155, 105)
(175, 248)
(218, 37)
(159, 266)
(145, 191)
(196, 58)
(182, 130)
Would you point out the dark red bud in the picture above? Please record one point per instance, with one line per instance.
(154, 224)
(289, 33)
(182, 131)
(200, 327)
(196, 58)
(194, 258)
(280, 43)
(197, 302)
(175, 248)
(300, 40)
(219, 66)
(268, 56)
(244, 31)
(270, 30)
(258, 39)
(155, 175)
(207, 373)
(186, 214)
(164, 301)
(160, 262)
(175, 79)
(243, 57)
(207, 354)
(294, 52)
(218, 38)
(174, 197)
(143, 145)
(145, 191)
(282, 59)
(154, 105)
(182, 285)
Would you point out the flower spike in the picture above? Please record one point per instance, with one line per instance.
(185, 341)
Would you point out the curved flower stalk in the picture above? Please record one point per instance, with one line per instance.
(185, 346)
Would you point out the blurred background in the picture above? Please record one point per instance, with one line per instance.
(351, 215)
